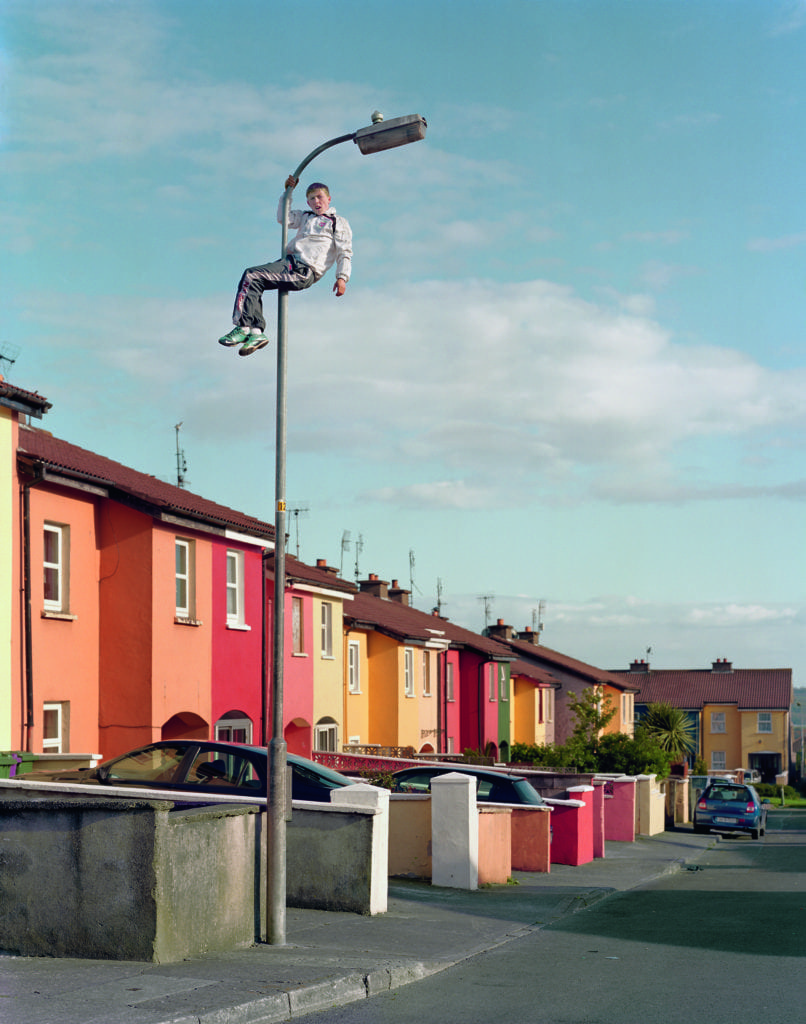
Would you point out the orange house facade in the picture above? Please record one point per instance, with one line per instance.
(142, 617)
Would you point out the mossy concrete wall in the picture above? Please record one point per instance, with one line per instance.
(125, 879)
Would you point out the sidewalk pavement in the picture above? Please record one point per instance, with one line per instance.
(331, 958)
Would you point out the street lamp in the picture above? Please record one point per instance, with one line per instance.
(375, 138)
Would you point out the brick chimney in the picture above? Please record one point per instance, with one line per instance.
(500, 631)
(530, 636)
(639, 666)
(321, 563)
(375, 586)
(397, 593)
(722, 665)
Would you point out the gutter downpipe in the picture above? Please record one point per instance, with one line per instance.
(482, 666)
(27, 623)
(440, 691)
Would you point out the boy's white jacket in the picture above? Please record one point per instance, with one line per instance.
(319, 242)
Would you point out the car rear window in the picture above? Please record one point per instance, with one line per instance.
(728, 793)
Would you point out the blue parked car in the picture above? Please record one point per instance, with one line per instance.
(730, 807)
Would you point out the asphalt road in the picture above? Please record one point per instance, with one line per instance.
(722, 943)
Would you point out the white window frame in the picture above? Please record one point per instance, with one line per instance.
(59, 568)
(449, 681)
(297, 626)
(426, 673)
(185, 578)
(327, 629)
(718, 722)
(503, 688)
(765, 719)
(55, 744)
(549, 707)
(408, 671)
(354, 666)
(225, 727)
(235, 588)
(719, 761)
(326, 737)
(493, 680)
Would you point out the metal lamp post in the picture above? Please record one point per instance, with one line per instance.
(375, 138)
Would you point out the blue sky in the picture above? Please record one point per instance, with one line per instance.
(569, 366)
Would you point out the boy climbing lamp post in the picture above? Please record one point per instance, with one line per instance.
(375, 138)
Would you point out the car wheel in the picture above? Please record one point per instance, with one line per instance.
(754, 833)
(700, 828)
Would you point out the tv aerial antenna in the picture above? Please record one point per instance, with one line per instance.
(345, 546)
(487, 599)
(300, 511)
(359, 547)
(181, 461)
(8, 356)
(412, 585)
(440, 602)
(537, 617)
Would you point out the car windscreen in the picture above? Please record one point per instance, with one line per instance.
(151, 764)
(224, 768)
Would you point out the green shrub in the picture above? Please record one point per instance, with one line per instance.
(766, 789)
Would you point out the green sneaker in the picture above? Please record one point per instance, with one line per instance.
(237, 336)
(253, 343)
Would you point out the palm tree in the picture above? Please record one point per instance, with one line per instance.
(671, 728)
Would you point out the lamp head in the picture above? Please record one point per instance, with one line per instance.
(382, 134)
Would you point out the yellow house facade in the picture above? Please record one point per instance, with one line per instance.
(741, 716)
(393, 670)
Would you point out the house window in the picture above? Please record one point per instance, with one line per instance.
(185, 596)
(56, 562)
(326, 735)
(235, 588)
(297, 625)
(765, 721)
(718, 761)
(449, 681)
(56, 727)
(408, 671)
(234, 727)
(493, 675)
(549, 705)
(426, 674)
(717, 721)
(327, 629)
(354, 666)
(503, 692)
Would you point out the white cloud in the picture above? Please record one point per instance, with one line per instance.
(776, 244)
(739, 615)
(444, 494)
(465, 388)
(789, 17)
(611, 631)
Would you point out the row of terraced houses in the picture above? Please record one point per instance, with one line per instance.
(133, 610)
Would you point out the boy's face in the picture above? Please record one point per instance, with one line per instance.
(318, 200)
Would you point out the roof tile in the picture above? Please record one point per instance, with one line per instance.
(41, 447)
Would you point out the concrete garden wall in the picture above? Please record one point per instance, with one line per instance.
(125, 879)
